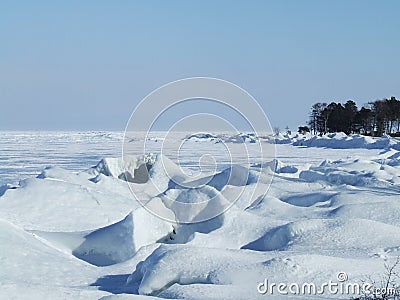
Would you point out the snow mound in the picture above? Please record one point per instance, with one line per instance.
(236, 138)
(111, 244)
(185, 265)
(337, 140)
(386, 212)
(120, 241)
(356, 172)
(131, 168)
(343, 141)
(203, 137)
(206, 198)
(48, 204)
(32, 269)
(235, 175)
(176, 272)
(280, 139)
(309, 199)
(330, 235)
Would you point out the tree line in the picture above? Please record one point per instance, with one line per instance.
(375, 118)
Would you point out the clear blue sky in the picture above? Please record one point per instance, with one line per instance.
(86, 64)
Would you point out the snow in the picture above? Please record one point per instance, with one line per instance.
(342, 141)
(337, 140)
(131, 168)
(48, 204)
(333, 206)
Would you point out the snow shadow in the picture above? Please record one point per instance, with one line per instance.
(116, 284)
(109, 245)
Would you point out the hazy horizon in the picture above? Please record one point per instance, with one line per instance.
(85, 65)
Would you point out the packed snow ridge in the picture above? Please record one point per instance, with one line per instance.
(330, 140)
(83, 235)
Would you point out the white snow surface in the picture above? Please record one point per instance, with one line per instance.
(333, 206)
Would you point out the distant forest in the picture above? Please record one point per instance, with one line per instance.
(375, 119)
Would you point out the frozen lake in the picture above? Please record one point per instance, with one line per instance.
(26, 154)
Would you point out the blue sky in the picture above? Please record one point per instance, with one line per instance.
(84, 65)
